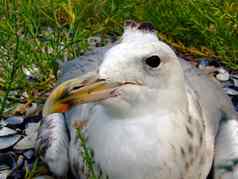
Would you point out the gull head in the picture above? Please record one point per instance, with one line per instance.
(138, 71)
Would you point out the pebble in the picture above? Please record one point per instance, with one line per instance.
(203, 63)
(32, 110)
(223, 75)
(94, 41)
(230, 91)
(5, 131)
(4, 174)
(29, 154)
(32, 73)
(9, 141)
(28, 141)
(14, 121)
(25, 143)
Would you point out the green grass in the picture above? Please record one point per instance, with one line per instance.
(90, 168)
(40, 32)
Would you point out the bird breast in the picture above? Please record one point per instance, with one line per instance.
(157, 146)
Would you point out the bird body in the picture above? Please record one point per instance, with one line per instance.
(146, 114)
(164, 146)
(172, 145)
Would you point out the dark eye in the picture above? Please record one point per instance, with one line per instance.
(153, 61)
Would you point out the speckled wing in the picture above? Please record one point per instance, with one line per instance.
(52, 144)
(53, 136)
(209, 94)
(219, 118)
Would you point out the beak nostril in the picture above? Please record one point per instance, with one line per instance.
(100, 79)
(85, 83)
(77, 87)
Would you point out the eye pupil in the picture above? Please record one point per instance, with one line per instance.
(153, 61)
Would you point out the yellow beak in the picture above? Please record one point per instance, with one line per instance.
(77, 91)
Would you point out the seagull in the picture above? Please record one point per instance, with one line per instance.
(145, 114)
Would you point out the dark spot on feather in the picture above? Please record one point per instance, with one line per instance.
(76, 87)
(190, 120)
(190, 148)
(190, 133)
(200, 139)
(182, 152)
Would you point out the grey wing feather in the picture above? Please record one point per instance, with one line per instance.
(52, 144)
(84, 64)
(213, 101)
(217, 107)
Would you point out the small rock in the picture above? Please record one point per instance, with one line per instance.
(2, 124)
(25, 95)
(228, 84)
(203, 63)
(32, 73)
(28, 154)
(223, 75)
(32, 110)
(25, 143)
(4, 167)
(5, 131)
(235, 81)
(4, 174)
(234, 76)
(14, 121)
(28, 141)
(94, 41)
(9, 141)
(230, 91)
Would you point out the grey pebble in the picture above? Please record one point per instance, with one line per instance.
(14, 120)
(9, 141)
(5, 131)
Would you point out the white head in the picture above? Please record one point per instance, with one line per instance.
(142, 57)
(155, 77)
